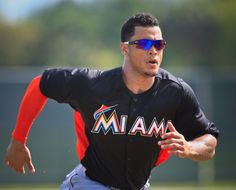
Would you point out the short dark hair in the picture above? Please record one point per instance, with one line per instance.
(140, 19)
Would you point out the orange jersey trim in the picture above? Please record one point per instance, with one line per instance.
(82, 140)
(31, 105)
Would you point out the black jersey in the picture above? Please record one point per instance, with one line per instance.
(123, 128)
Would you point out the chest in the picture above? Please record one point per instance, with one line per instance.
(121, 113)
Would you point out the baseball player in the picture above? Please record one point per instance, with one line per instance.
(128, 119)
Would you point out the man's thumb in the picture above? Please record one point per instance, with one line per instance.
(171, 127)
(30, 165)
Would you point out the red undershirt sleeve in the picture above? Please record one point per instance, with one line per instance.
(30, 107)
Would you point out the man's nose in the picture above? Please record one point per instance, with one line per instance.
(153, 51)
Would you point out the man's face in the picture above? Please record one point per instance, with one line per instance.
(144, 62)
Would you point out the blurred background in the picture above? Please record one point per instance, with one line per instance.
(35, 35)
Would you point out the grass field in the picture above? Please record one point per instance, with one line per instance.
(178, 186)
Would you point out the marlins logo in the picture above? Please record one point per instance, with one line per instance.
(105, 124)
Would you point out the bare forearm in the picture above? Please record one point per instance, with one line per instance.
(199, 149)
(202, 148)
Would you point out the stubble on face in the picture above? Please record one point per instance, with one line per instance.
(149, 74)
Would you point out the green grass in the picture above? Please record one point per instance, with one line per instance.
(177, 186)
(29, 187)
(192, 187)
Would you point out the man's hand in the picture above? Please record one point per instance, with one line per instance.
(175, 142)
(17, 156)
(199, 149)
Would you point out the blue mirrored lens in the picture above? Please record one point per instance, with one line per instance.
(148, 45)
(158, 44)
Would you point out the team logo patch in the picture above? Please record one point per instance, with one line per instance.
(110, 122)
(105, 124)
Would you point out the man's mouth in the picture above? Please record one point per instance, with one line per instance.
(153, 62)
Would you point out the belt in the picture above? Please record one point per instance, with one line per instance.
(113, 188)
(145, 187)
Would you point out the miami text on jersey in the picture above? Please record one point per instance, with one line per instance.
(105, 124)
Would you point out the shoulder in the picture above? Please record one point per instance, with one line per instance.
(111, 72)
(71, 72)
(167, 78)
(65, 78)
(84, 71)
(81, 75)
(175, 82)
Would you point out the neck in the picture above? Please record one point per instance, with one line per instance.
(136, 82)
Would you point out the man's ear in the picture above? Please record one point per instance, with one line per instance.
(124, 48)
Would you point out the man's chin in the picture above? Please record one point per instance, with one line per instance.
(150, 74)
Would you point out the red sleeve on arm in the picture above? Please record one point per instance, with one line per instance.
(31, 105)
(162, 157)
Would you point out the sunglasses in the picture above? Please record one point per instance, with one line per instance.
(147, 44)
